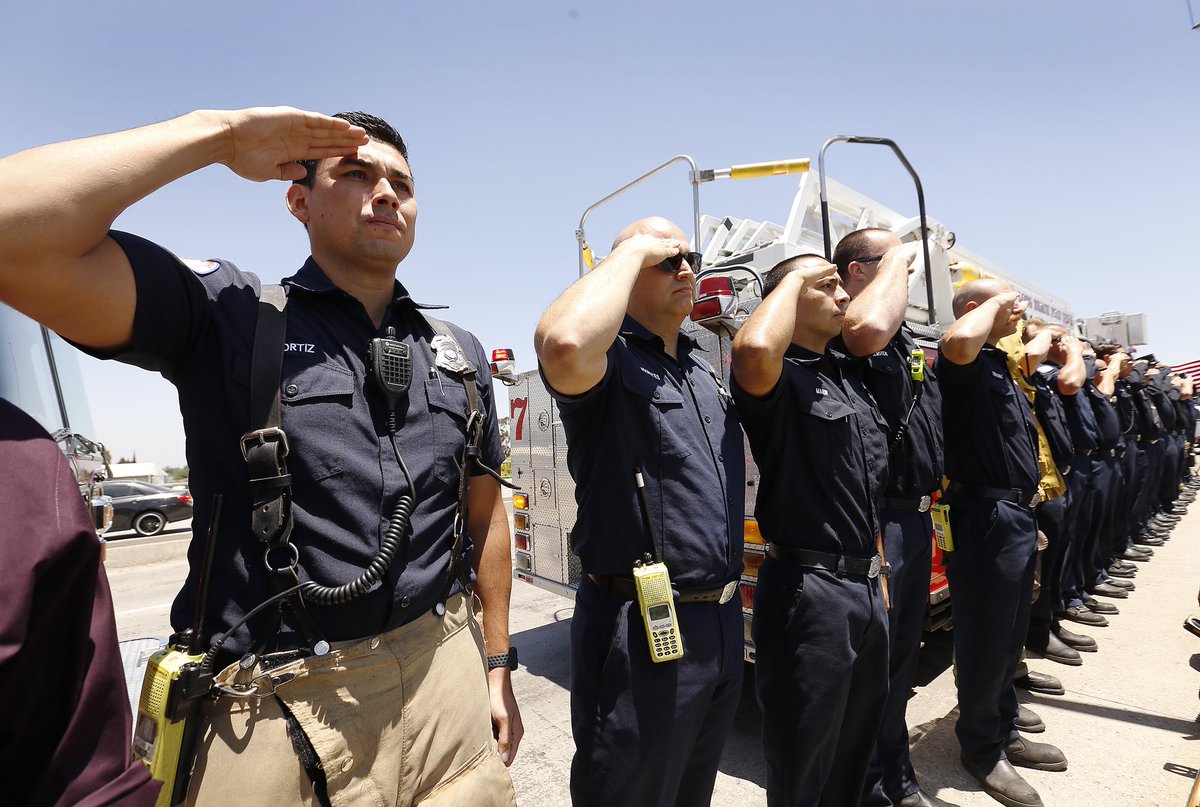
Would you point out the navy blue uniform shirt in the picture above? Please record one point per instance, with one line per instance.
(1149, 423)
(1106, 418)
(196, 327)
(991, 439)
(670, 418)
(1157, 388)
(821, 448)
(1081, 421)
(1127, 411)
(915, 464)
(1052, 415)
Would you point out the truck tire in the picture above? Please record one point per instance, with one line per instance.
(150, 522)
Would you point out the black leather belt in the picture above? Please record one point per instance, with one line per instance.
(623, 587)
(921, 505)
(824, 560)
(1013, 495)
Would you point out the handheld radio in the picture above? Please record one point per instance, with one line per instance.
(916, 364)
(168, 718)
(940, 513)
(656, 600)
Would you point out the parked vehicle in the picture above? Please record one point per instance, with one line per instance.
(146, 508)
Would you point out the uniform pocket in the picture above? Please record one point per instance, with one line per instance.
(448, 412)
(316, 400)
(664, 402)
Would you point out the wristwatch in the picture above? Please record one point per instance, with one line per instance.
(499, 660)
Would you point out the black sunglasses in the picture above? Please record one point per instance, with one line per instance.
(867, 260)
(674, 263)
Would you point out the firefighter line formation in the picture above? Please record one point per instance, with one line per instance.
(1052, 448)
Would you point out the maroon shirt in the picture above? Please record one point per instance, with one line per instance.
(65, 725)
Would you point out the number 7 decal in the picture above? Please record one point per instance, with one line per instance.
(520, 404)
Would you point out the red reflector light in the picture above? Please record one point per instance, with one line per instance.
(747, 592)
(502, 354)
(706, 309)
(716, 285)
(522, 541)
(186, 499)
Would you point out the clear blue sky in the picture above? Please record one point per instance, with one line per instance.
(1058, 139)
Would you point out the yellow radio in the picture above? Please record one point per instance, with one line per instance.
(162, 716)
(657, 605)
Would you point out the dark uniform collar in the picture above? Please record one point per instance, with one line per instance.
(632, 329)
(802, 355)
(312, 278)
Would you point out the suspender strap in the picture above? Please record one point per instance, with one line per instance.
(449, 356)
(265, 446)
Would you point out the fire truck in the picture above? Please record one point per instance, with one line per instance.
(736, 251)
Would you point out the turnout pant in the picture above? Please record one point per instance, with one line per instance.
(645, 733)
(821, 676)
(908, 544)
(991, 583)
(400, 719)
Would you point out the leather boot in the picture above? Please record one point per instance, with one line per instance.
(1055, 649)
(1084, 644)
(1041, 756)
(1028, 721)
(922, 799)
(1004, 784)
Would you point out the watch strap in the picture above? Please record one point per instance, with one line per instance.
(499, 660)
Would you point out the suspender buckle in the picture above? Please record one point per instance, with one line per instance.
(260, 437)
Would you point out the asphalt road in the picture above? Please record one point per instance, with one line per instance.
(1128, 722)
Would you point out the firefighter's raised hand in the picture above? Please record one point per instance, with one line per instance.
(810, 274)
(265, 142)
(904, 255)
(1009, 306)
(651, 249)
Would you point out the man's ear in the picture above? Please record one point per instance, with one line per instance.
(856, 271)
(297, 202)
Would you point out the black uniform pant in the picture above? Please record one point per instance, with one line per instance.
(1090, 569)
(645, 733)
(1155, 452)
(991, 584)
(1051, 517)
(1106, 502)
(821, 676)
(1150, 455)
(908, 544)
(1172, 469)
(1132, 468)
(1077, 525)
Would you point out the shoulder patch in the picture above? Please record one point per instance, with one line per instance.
(201, 268)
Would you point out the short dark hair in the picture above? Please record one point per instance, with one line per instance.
(852, 247)
(779, 271)
(376, 128)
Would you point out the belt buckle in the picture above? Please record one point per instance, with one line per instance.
(1035, 499)
(727, 593)
(876, 565)
(925, 503)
